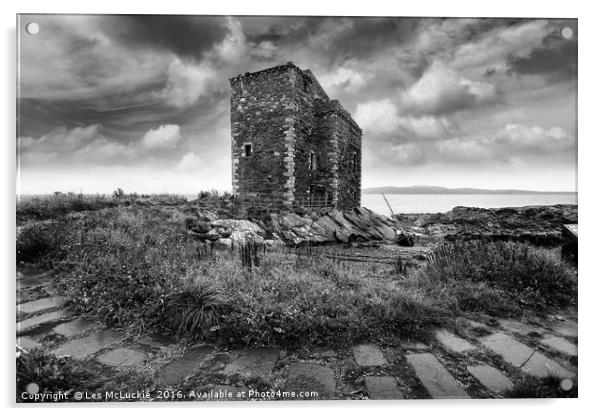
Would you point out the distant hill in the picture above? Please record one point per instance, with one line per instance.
(408, 190)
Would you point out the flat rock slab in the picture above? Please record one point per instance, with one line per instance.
(567, 328)
(453, 342)
(382, 388)
(73, 328)
(512, 351)
(253, 362)
(304, 377)
(30, 324)
(323, 353)
(541, 366)
(122, 357)
(491, 378)
(519, 327)
(157, 340)
(28, 276)
(475, 324)
(561, 345)
(41, 304)
(184, 366)
(435, 378)
(407, 344)
(368, 356)
(84, 347)
(27, 343)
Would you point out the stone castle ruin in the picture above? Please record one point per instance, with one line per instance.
(291, 144)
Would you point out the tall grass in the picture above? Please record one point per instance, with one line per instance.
(532, 275)
(40, 208)
(57, 205)
(51, 373)
(133, 266)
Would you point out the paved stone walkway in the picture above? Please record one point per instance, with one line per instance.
(477, 359)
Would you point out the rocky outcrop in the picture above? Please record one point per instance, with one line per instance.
(540, 225)
(359, 224)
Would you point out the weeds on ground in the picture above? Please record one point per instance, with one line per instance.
(54, 206)
(134, 266)
(513, 275)
(50, 373)
(548, 387)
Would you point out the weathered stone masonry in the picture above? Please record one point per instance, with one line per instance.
(291, 144)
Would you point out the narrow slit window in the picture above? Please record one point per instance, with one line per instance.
(312, 161)
(355, 162)
(248, 149)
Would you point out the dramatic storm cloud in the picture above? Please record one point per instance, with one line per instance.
(142, 102)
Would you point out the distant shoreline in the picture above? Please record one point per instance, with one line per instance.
(437, 190)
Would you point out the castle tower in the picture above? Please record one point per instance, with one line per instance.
(291, 144)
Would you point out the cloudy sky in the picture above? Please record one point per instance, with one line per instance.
(142, 102)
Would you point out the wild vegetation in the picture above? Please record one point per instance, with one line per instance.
(50, 373)
(134, 266)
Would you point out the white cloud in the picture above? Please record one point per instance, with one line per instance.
(442, 90)
(494, 47)
(379, 116)
(381, 121)
(344, 78)
(62, 140)
(189, 162)
(263, 50)
(234, 46)
(515, 138)
(73, 59)
(165, 136)
(186, 83)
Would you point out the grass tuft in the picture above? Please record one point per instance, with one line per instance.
(192, 312)
(502, 270)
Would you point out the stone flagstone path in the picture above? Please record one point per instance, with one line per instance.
(478, 359)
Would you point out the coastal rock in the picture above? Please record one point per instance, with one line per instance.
(238, 230)
(222, 244)
(206, 215)
(539, 225)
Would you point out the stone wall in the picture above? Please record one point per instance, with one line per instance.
(262, 113)
(290, 123)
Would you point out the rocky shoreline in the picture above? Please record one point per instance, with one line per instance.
(539, 225)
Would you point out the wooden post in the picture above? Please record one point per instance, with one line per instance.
(389, 205)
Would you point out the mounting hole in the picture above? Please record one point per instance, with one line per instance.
(567, 32)
(32, 28)
(566, 384)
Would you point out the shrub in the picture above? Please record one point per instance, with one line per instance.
(122, 261)
(548, 387)
(51, 207)
(37, 239)
(514, 270)
(193, 312)
(133, 267)
(50, 373)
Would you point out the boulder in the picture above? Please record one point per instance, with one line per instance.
(290, 221)
(328, 227)
(206, 215)
(200, 227)
(238, 231)
(238, 225)
(222, 244)
(204, 236)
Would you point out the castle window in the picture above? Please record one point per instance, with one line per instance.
(248, 149)
(355, 162)
(312, 161)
